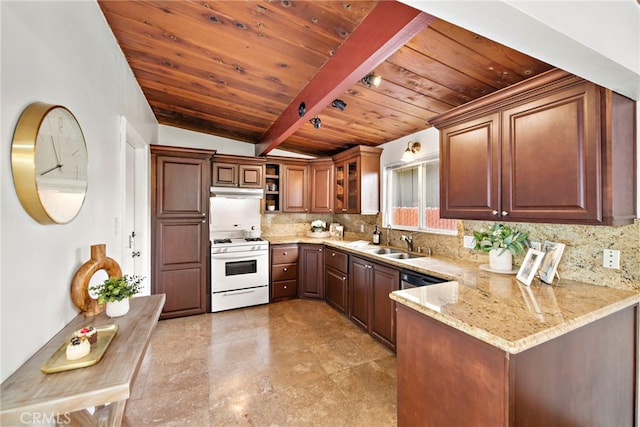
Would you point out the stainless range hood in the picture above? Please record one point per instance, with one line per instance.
(237, 193)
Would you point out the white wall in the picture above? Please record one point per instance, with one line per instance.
(62, 53)
(172, 136)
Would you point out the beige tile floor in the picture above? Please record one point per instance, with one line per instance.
(292, 363)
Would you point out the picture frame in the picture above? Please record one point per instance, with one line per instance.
(529, 266)
(552, 253)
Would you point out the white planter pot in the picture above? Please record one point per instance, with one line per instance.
(502, 262)
(118, 308)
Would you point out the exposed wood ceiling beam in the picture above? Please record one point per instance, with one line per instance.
(387, 28)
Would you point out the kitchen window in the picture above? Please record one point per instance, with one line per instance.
(413, 197)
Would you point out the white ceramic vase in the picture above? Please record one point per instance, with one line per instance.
(501, 262)
(118, 308)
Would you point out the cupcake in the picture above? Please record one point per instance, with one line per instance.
(89, 332)
(78, 348)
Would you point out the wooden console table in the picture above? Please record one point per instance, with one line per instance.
(29, 395)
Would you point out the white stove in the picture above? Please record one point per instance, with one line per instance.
(239, 264)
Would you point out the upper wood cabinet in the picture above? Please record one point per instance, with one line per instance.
(238, 171)
(295, 187)
(357, 180)
(321, 175)
(554, 148)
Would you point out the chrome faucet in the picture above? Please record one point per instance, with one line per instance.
(388, 235)
(409, 240)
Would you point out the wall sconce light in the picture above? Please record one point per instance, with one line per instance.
(316, 122)
(339, 104)
(372, 79)
(302, 109)
(409, 153)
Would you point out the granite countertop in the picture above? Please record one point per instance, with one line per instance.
(495, 308)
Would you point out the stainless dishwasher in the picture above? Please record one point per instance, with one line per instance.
(411, 279)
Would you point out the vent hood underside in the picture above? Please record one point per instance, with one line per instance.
(237, 193)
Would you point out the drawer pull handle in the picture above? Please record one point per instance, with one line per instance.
(494, 212)
(285, 286)
(284, 269)
(505, 213)
(333, 254)
(344, 278)
(284, 253)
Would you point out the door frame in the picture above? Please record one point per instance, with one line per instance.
(142, 199)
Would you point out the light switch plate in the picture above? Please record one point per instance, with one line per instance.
(469, 242)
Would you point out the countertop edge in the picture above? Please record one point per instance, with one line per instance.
(518, 346)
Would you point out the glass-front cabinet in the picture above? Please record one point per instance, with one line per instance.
(357, 183)
(347, 186)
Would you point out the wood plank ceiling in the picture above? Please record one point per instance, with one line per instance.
(239, 69)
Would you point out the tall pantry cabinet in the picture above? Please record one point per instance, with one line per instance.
(180, 181)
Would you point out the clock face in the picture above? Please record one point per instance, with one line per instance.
(49, 160)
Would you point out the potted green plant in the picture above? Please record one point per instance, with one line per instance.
(116, 292)
(502, 242)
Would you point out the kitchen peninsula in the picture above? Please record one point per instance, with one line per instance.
(484, 349)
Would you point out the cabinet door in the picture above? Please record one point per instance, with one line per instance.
(311, 272)
(359, 291)
(340, 174)
(384, 280)
(295, 188)
(322, 187)
(225, 174)
(550, 158)
(180, 265)
(470, 169)
(335, 289)
(251, 176)
(181, 187)
(352, 169)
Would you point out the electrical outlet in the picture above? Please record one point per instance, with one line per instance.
(536, 245)
(362, 228)
(469, 242)
(611, 259)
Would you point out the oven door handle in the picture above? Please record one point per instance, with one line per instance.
(240, 257)
(242, 291)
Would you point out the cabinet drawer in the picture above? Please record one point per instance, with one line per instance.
(284, 289)
(337, 260)
(284, 254)
(284, 272)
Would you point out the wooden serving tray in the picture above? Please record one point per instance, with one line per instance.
(58, 361)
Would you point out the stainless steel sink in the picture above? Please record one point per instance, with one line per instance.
(384, 251)
(402, 255)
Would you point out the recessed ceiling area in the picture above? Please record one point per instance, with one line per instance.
(240, 70)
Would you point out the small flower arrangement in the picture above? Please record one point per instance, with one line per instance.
(117, 288)
(318, 225)
(500, 236)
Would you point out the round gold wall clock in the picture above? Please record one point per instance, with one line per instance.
(49, 163)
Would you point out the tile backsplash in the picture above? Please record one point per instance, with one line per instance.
(581, 260)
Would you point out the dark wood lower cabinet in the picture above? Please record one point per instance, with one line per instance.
(284, 272)
(360, 292)
(586, 377)
(336, 276)
(369, 304)
(384, 280)
(311, 278)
